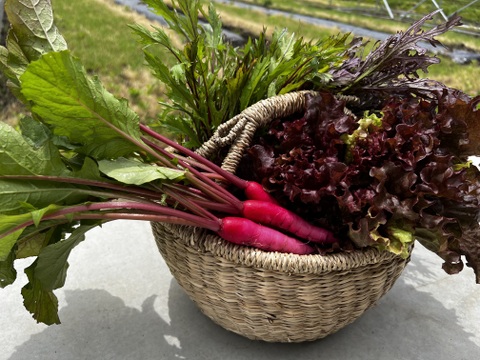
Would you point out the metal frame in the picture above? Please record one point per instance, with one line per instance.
(435, 3)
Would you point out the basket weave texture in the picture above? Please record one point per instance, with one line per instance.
(270, 296)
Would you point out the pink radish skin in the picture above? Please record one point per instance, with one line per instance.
(278, 217)
(246, 232)
(255, 191)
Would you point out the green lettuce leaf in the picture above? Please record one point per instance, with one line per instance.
(80, 108)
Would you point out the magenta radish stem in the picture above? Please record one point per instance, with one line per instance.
(92, 183)
(198, 198)
(233, 179)
(149, 210)
(221, 208)
(191, 205)
(214, 189)
(252, 189)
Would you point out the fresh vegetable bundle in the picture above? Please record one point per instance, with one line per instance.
(82, 157)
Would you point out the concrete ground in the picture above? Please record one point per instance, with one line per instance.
(120, 302)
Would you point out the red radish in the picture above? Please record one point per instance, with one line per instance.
(278, 217)
(242, 231)
(255, 191)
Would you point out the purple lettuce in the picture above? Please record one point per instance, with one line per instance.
(382, 180)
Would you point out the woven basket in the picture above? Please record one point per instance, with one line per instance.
(272, 296)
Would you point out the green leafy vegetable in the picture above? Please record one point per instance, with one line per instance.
(51, 266)
(8, 274)
(212, 80)
(80, 108)
(32, 34)
(137, 173)
(42, 303)
(18, 157)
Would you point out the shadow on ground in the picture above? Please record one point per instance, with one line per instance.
(406, 324)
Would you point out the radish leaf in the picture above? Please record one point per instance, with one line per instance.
(41, 303)
(137, 173)
(18, 157)
(8, 274)
(15, 193)
(32, 34)
(79, 107)
(33, 25)
(52, 265)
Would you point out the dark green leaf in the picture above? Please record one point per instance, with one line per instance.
(32, 245)
(42, 304)
(36, 133)
(8, 274)
(51, 267)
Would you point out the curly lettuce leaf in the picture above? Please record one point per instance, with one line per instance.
(379, 184)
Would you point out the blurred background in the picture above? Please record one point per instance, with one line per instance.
(97, 32)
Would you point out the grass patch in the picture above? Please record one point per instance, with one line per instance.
(254, 22)
(98, 36)
(462, 77)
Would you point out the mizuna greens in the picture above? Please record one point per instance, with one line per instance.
(82, 157)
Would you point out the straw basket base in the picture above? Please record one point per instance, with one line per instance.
(275, 297)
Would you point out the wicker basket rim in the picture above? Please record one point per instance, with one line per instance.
(204, 241)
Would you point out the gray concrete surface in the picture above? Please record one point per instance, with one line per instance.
(120, 302)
